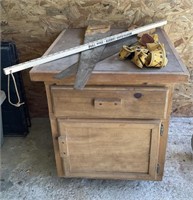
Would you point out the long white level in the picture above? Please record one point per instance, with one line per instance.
(78, 49)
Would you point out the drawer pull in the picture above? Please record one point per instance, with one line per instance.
(137, 95)
(113, 103)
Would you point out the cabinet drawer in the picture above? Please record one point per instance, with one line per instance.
(130, 102)
(109, 148)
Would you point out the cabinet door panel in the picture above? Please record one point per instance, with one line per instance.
(113, 148)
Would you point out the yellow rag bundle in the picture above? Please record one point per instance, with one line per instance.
(149, 52)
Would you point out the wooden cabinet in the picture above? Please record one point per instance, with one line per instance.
(117, 126)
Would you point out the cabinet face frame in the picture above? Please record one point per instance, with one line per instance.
(69, 127)
(162, 145)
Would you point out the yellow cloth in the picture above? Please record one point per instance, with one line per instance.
(148, 52)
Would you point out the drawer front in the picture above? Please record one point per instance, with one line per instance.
(131, 102)
(109, 148)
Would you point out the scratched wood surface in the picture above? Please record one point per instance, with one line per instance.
(110, 49)
(175, 71)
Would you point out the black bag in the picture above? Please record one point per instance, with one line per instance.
(16, 120)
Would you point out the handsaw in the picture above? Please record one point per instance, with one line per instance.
(89, 58)
(92, 57)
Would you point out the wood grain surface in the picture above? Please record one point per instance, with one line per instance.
(135, 102)
(99, 147)
(112, 69)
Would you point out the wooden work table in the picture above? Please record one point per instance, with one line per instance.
(117, 126)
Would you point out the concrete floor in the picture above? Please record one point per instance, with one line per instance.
(28, 171)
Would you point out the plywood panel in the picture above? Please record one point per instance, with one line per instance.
(34, 25)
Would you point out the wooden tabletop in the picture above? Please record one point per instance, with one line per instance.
(111, 71)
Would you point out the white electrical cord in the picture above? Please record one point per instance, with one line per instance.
(19, 103)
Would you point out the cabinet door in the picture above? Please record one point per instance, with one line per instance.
(117, 149)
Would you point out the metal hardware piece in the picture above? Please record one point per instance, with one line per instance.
(137, 95)
(162, 130)
(158, 168)
(62, 146)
